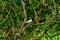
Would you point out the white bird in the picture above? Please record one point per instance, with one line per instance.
(29, 21)
(17, 34)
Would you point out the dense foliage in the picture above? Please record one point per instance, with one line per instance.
(44, 17)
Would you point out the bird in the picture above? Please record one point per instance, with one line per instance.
(17, 34)
(29, 21)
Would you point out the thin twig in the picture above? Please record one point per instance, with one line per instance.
(6, 17)
(24, 10)
(25, 16)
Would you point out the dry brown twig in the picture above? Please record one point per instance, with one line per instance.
(25, 16)
(5, 16)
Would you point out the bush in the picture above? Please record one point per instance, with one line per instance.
(29, 19)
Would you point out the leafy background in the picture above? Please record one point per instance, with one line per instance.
(45, 15)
